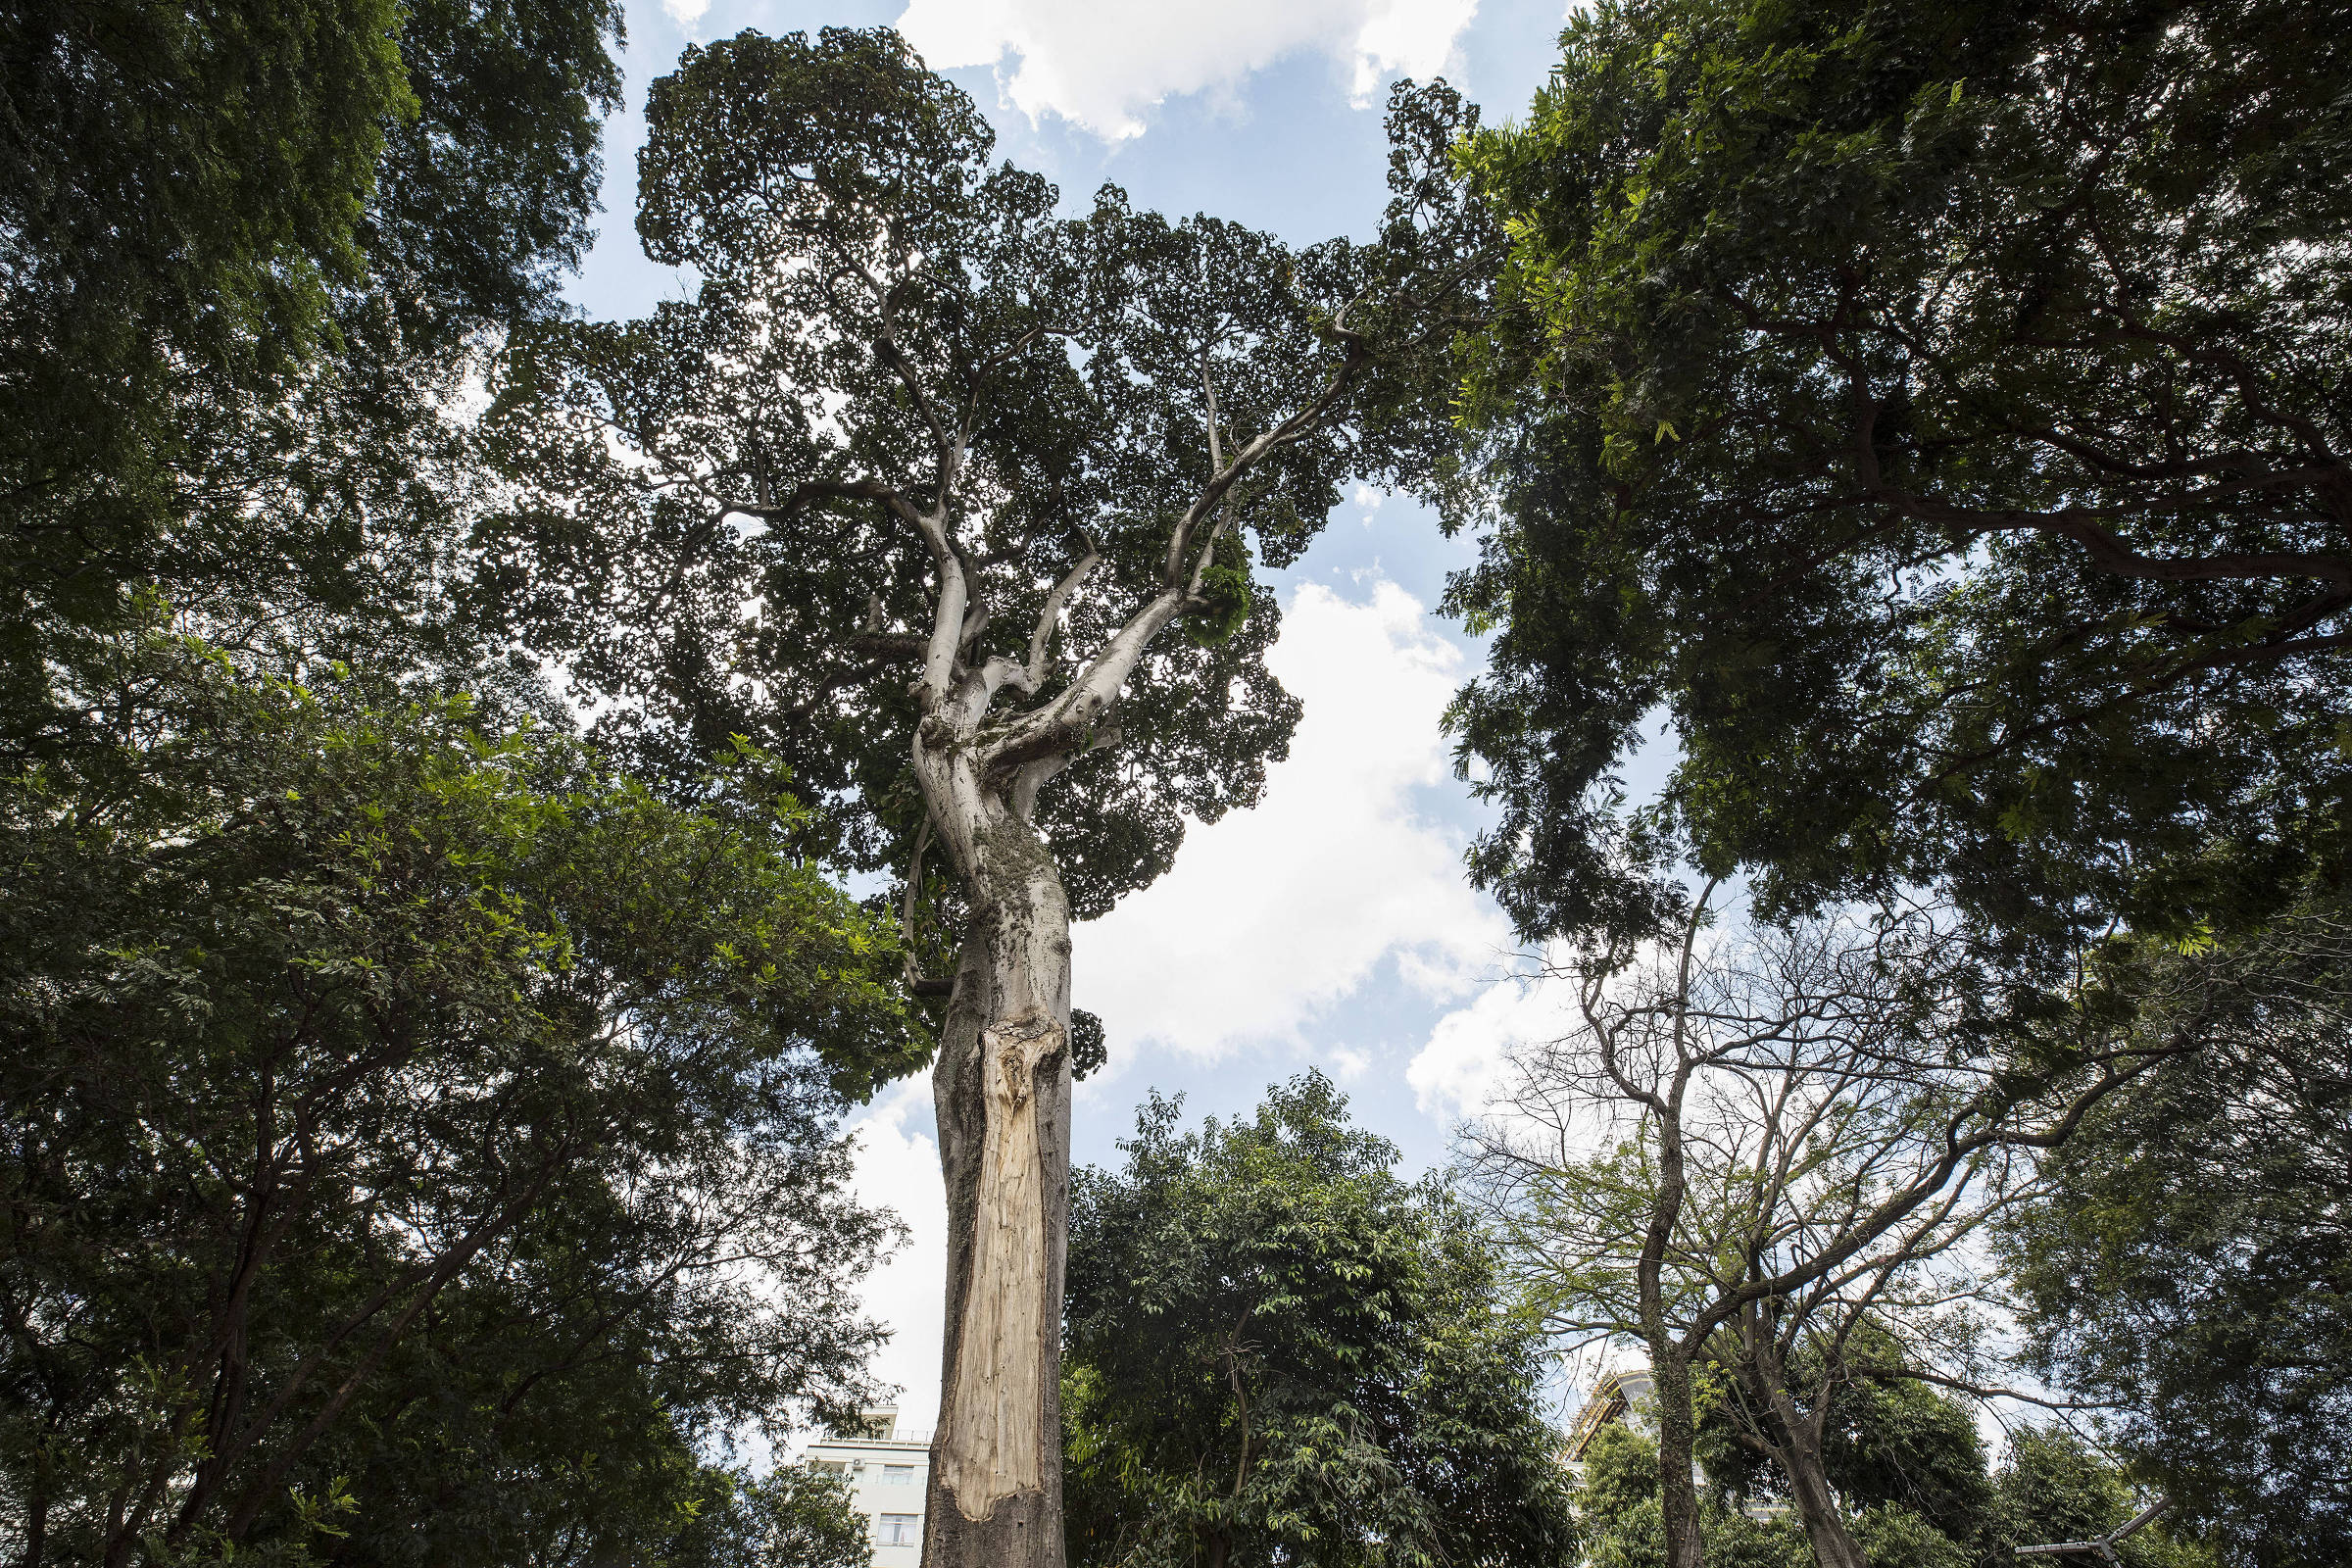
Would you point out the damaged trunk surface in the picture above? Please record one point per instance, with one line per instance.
(1002, 1088)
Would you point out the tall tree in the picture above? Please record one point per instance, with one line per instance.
(1936, 407)
(1281, 1352)
(945, 496)
(394, 1117)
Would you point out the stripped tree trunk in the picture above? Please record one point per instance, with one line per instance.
(1002, 1087)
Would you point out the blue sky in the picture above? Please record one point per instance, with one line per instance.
(1331, 927)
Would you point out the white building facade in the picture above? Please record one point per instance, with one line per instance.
(887, 1472)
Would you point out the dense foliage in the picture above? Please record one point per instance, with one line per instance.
(2192, 1262)
(1936, 409)
(1899, 1495)
(1888, 1441)
(795, 1517)
(412, 1135)
(248, 252)
(715, 507)
(1617, 1500)
(1278, 1351)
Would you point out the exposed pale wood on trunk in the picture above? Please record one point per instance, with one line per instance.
(991, 1447)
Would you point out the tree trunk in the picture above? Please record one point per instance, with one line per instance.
(1800, 1453)
(1678, 1497)
(1002, 1087)
(1817, 1509)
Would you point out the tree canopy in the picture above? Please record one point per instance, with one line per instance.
(1937, 409)
(954, 502)
(248, 252)
(1280, 1352)
(2191, 1262)
(398, 1117)
(887, 321)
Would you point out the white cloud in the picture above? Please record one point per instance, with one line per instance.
(1275, 915)
(1458, 1073)
(686, 13)
(898, 1170)
(1102, 63)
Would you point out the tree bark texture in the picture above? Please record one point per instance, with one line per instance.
(1678, 1496)
(1001, 1088)
(1816, 1506)
(1798, 1454)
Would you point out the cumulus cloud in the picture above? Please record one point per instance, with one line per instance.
(1463, 1067)
(1274, 915)
(1103, 64)
(686, 13)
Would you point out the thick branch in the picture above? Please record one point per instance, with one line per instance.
(1051, 615)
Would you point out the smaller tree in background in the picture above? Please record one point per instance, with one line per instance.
(1912, 1476)
(2053, 1487)
(792, 1517)
(1624, 1527)
(1885, 1439)
(1279, 1351)
(1745, 1155)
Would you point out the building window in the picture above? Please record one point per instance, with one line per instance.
(898, 1530)
(831, 1467)
(897, 1475)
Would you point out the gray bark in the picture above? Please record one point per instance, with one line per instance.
(1798, 1451)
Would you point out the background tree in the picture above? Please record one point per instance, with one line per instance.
(414, 1136)
(1936, 409)
(1279, 1351)
(2052, 1486)
(792, 1517)
(2190, 1262)
(1886, 1440)
(943, 496)
(1617, 1504)
(252, 252)
(1762, 1153)
(1902, 1463)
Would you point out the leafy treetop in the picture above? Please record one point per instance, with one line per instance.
(1939, 410)
(1278, 1350)
(737, 515)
